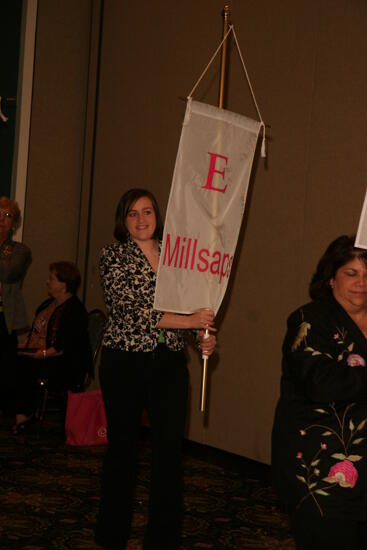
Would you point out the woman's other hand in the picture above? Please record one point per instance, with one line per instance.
(207, 343)
(47, 353)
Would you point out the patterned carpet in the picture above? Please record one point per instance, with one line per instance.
(49, 496)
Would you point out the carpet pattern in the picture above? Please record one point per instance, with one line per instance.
(49, 496)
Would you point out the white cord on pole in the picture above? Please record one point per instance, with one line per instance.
(231, 29)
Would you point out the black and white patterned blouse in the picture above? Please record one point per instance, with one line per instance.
(128, 283)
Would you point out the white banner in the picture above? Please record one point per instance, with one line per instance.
(205, 208)
(361, 238)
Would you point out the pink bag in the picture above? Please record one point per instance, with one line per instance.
(85, 422)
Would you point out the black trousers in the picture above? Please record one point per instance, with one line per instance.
(328, 533)
(130, 382)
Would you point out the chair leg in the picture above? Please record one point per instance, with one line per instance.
(43, 402)
(46, 399)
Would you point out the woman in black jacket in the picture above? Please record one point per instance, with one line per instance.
(57, 346)
(320, 428)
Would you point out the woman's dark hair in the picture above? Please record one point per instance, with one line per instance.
(337, 254)
(68, 273)
(125, 203)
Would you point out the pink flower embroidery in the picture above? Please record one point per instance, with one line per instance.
(316, 472)
(336, 336)
(302, 432)
(355, 360)
(344, 473)
(299, 455)
(323, 446)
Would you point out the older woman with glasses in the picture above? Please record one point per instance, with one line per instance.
(14, 261)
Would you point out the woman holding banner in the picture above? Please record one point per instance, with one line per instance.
(320, 428)
(143, 365)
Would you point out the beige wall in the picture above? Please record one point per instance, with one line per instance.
(56, 149)
(304, 61)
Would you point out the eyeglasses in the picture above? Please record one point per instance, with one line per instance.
(6, 215)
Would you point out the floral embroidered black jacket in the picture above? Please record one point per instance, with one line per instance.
(319, 442)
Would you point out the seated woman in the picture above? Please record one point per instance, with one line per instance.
(57, 346)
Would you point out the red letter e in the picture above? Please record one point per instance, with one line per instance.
(212, 171)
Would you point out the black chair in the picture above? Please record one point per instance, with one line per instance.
(96, 326)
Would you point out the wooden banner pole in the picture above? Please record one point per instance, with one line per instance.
(225, 14)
